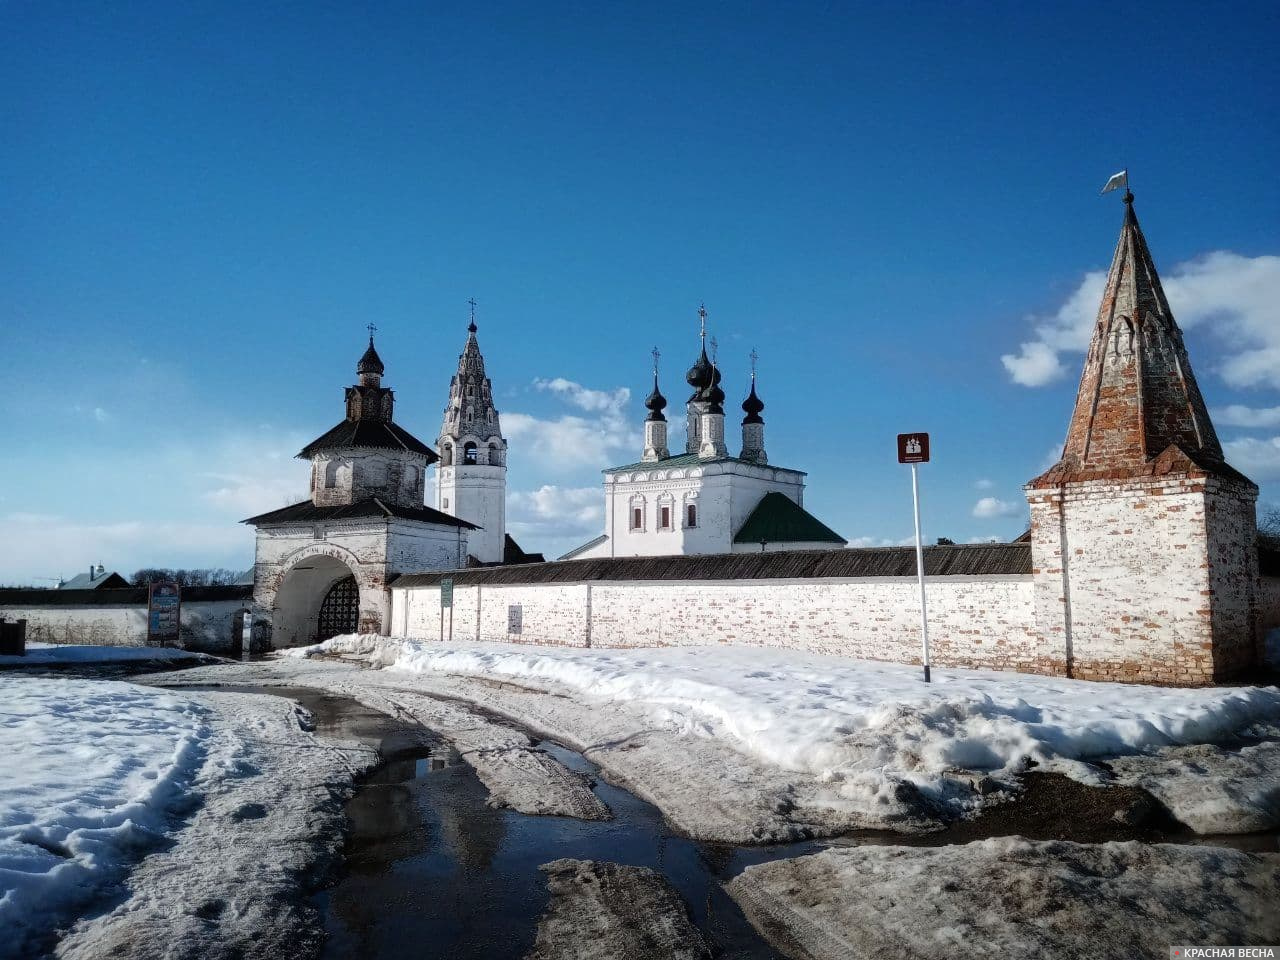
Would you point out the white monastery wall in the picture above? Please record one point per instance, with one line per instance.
(983, 622)
(206, 625)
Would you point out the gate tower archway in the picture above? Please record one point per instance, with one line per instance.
(318, 598)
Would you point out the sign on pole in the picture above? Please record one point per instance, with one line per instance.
(446, 600)
(913, 448)
(164, 613)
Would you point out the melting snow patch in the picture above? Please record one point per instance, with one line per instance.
(862, 729)
(93, 771)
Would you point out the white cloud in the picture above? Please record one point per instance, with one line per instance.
(54, 546)
(983, 484)
(1037, 361)
(989, 507)
(562, 511)
(875, 542)
(1256, 459)
(571, 441)
(101, 415)
(554, 520)
(596, 401)
(1238, 415)
(1233, 296)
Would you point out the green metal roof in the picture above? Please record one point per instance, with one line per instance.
(690, 460)
(779, 519)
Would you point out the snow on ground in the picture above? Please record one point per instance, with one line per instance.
(864, 736)
(1011, 897)
(44, 654)
(602, 911)
(92, 775)
(1209, 789)
(235, 883)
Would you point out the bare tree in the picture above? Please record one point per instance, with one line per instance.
(1269, 527)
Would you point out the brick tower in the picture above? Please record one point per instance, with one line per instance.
(1144, 540)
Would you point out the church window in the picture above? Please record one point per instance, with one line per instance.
(691, 515)
(446, 455)
(331, 473)
(495, 455)
(444, 504)
(469, 452)
(637, 518)
(664, 513)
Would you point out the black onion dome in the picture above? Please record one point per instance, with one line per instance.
(371, 362)
(656, 403)
(753, 406)
(701, 374)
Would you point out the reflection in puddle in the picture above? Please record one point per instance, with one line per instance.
(433, 871)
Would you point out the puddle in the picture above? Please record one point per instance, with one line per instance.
(431, 871)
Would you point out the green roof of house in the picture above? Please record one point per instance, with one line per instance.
(779, 519)
(690, 460)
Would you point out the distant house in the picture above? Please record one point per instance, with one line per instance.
(96, 579)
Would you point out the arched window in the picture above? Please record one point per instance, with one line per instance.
(331, 469)
(690, 514)
(469, 452)
(666, 512)
(495, 454)
(637, 513)
(446, 455)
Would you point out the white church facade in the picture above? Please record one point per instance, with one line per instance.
(703, 500)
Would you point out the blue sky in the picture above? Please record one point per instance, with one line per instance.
(206, 203)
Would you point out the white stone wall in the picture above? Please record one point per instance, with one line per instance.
(984, 622)
(206, 625)
(1125, 586)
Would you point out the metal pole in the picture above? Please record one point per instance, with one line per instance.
(451, 623)
(442, 622)
(924, 618)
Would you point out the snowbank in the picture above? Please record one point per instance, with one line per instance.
(93, 771)
(859, 727)
(47, 653)
(1011, 897)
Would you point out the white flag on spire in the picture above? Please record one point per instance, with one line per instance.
(1117, 180)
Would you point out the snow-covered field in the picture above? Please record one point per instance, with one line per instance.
(92, 774)
(44, 654)
(855, 731)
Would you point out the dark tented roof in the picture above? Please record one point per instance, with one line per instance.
(129, 596)
(973, 560)
(779, 519)
(375, 434)
(691, 460)
(372, 507)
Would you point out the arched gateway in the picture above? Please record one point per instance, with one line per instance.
(323, 565)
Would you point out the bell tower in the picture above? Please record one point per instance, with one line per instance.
(471, 480)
